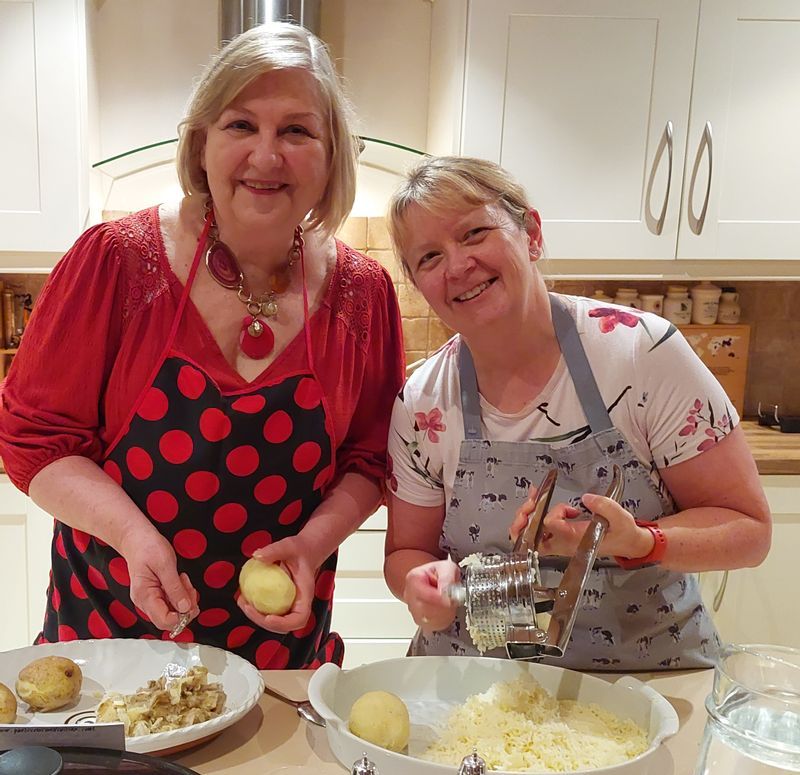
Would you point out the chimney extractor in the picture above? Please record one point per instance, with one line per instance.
(236, 16)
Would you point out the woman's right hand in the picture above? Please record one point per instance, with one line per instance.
(425, 594)
(157, 590)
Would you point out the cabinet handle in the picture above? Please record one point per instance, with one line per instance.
(706, 142)
(666, 142)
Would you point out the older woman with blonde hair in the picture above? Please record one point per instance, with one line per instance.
(534, 381)
(210, 381)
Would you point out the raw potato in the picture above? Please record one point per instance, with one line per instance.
(49, 683)
(8, 705)
(380, 718)
(268, 588)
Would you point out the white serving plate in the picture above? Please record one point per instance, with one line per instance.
(124, 665)
(432, 686)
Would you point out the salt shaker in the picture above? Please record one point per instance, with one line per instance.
(472, 765)
(363, 767)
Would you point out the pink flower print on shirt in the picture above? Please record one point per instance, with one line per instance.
(431, 423)
(714, 431)
(611, 318)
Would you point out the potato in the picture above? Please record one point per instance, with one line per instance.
(380, 718)
(8, 705)
(268, 588)
(49, 683)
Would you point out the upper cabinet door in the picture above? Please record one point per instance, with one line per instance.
(744, 130)
(586, 102)
(43, 201)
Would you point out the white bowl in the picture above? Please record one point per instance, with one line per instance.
(432, 686)
(124, 665)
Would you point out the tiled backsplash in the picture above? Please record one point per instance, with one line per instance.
(770, 308)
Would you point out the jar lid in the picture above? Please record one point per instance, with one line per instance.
(728, 289)
(677, 289)
(627, 290)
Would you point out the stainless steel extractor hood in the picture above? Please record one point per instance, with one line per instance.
(236, 16)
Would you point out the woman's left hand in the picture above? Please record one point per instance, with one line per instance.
(562, 532)
(291, 554)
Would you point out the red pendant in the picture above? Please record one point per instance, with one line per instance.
(256, 339)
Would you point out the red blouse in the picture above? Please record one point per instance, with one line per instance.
(100, 324)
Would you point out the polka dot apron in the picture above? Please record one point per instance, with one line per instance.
(220, 475)
(645, 619)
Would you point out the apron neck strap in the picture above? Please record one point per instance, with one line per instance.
(578, 364)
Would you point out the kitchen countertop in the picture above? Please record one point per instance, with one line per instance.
(272, 739)
(774, 452)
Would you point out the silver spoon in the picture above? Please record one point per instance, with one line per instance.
(303, 707)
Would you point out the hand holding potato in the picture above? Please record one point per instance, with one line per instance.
(268, 588)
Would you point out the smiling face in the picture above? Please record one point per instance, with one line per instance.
(267, 155)
(473, 265)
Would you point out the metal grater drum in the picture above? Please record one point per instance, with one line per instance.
(499, 594)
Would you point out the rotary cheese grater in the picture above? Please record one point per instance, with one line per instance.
(505, 603)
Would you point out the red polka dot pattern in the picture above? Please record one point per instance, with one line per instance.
(291, 513)
(306, 456)
(176, 447)
(215, 425)
(255, 541)
(308, 394)
(118, 569)
(97, 626)
(190, 543)
(243, 460)
(96, 579)
(213, 617)
(162, 506)
(324, 585)
(140, 464)
(123, 616)
(219, 573)
(112, 470)
(239, 636)
(202, 485)
(249, 404)
(270, 490)
(272, 655)
(230, 517)
(191, 382)
(154, 405)
(81, 540)
(220, 476)
(278, 427)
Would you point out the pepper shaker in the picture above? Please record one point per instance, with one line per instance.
(363, 767)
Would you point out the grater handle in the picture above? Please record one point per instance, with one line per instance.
(529, 537)
(568, 598)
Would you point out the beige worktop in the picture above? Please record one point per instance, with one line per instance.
(272, 739)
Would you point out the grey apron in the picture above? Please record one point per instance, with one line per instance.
(645, 619)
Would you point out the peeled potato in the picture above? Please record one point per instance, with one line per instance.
(380, 718)
(268, 588)
(8, 705)
(49, 683)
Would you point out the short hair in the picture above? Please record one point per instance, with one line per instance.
(440, 183)
(259, 50)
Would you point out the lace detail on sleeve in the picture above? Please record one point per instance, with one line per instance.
(358, 281)
(140, 250)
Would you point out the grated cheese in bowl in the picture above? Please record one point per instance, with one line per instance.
(519, 726)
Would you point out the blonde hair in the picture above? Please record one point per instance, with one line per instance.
(267, 47)
(441, 183)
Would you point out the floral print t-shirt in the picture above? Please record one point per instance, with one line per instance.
(659, 395)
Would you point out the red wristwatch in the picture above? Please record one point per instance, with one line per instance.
(655, 555)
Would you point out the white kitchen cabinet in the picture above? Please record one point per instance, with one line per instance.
(43, 84)
(373, 623)
(25, 534)
(760, 605)
(600, 107)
